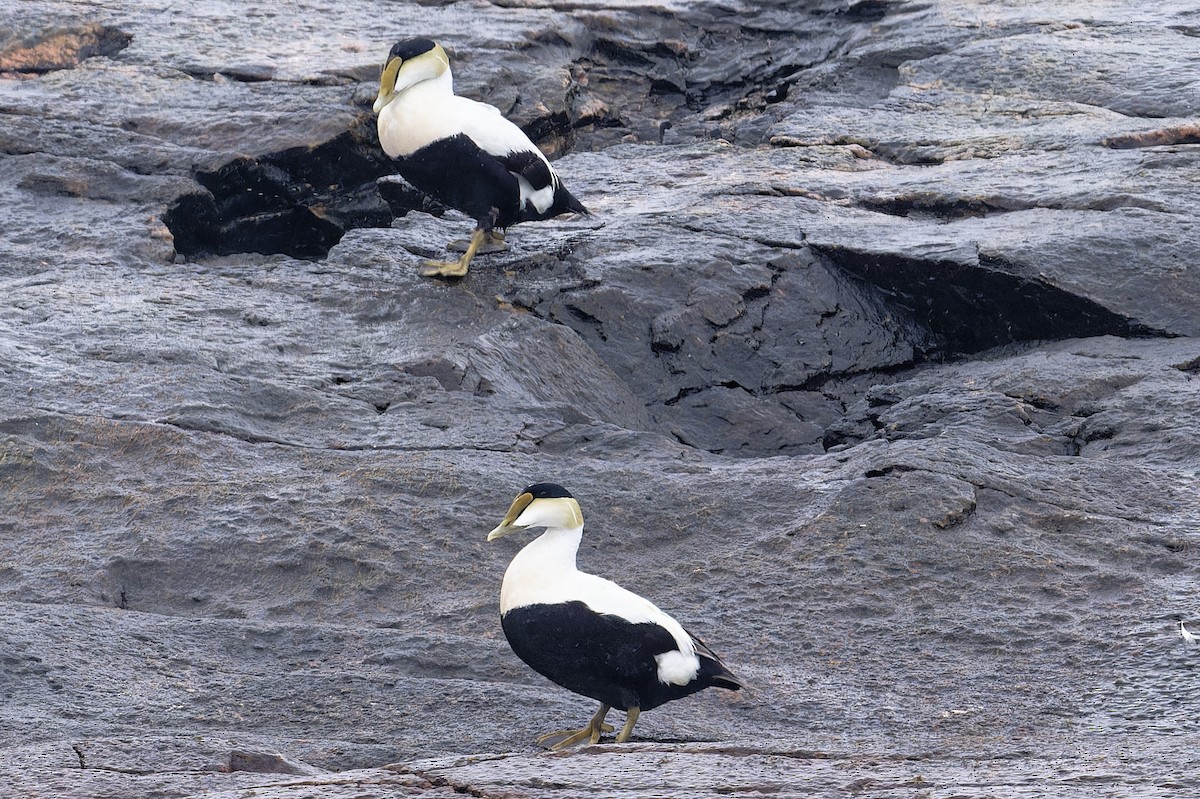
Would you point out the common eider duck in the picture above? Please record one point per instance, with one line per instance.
(588, 634)
(462, 153)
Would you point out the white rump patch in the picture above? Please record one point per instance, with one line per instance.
(676, 668)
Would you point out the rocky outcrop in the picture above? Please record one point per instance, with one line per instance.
(874, 364)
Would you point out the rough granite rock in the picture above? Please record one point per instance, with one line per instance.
(875, 365)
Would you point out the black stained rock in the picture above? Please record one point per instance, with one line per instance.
(298, 202)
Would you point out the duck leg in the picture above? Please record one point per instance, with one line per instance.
(456, 268)
(592, 731)
(631, 717)
(495, 243)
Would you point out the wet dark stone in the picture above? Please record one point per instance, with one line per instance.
(401, 198)
(298, 202)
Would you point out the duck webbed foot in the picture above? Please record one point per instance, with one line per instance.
(456, 268)
(595, 728)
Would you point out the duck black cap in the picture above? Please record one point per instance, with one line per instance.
(547, 491)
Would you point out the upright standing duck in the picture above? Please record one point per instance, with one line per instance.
(462, 153)
(588, 634)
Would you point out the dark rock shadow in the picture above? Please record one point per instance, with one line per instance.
(968, 309)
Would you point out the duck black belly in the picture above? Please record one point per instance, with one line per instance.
(601, 656)
(459, 173)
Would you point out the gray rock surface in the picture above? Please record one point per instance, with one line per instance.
(875, 365)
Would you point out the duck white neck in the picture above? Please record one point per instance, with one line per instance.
(539, 570)
(440, 84)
